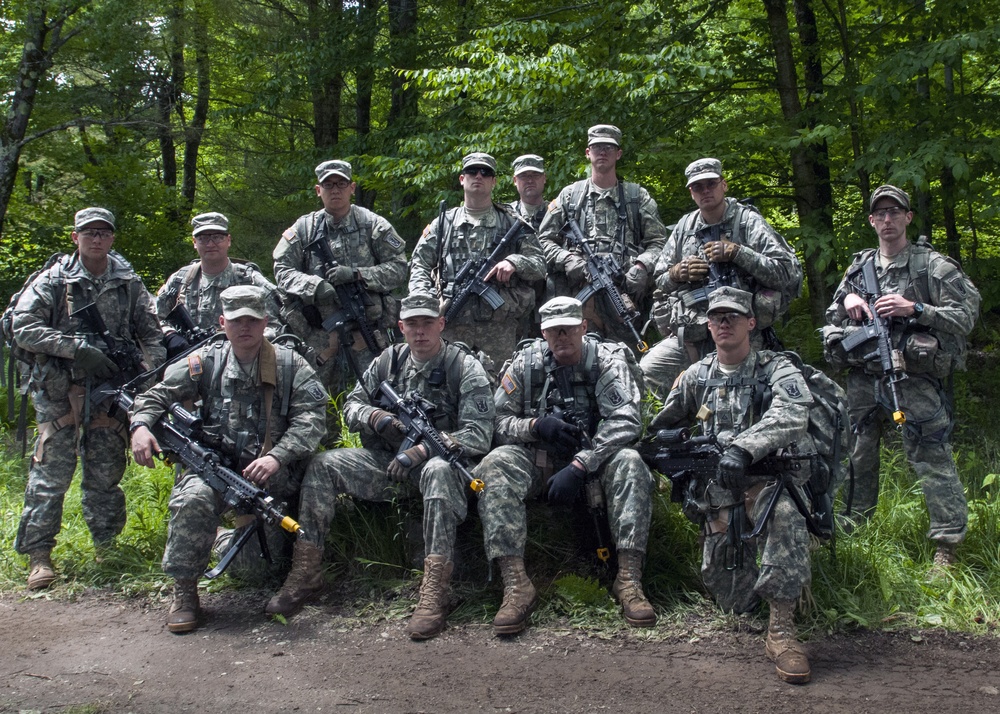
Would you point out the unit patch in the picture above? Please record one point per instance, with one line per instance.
(482, 404)
(792, 389)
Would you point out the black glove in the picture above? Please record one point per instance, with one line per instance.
(733, 468)
(340, 275)
(94, 363)
(175, 344)
(399, 467)
(554, 432)
(564, 485)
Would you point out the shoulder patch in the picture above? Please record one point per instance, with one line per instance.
(289, 234)
(393, 240)
(615, 397)
(195, 368)
(791, 388)
(553, 205)
(508, 383)
(315, 391)
(482, 404)
(427, 229)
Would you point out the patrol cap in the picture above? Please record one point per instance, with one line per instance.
(86, 216)
(478, 158)
(241, 300)
(561, 312)
(896, 194)
(730, 298)
(419, 305)
(209, 222)
(528, 162)
(333, 168)
(703, 169)
(604, 134)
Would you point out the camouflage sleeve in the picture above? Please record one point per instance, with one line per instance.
(424, 260)
(306, 416)
(390, 252)
(273, 303)
(166, 298)
(618, 403)
(358, 407)
(835, 313)
(766, 256)
(476, 412)
(178, 385)
(786, 420)
(681, 405)
(146, 328)
(290, 259)
(950, 308)
(669, 256)
(529, 261)
(654, 233)
(549, 236)
(512, 426)
(32, 316)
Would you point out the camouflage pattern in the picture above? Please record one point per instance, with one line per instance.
(532, 215)
(202, 294)
(232, 402)
(494, 332)
(42, 325)
(519, 468)
(784, 566)
(929, 419)
(362, 239)
(597, 212)
(464, 412)
(766, 264)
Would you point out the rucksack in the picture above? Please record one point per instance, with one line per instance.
(7, 319)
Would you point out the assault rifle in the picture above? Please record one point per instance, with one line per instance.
(471, 277)
(179, 435)
(180, 319)
(719, 274)
(604, 272)
(415, 413)
(864, 282)
(128, 359)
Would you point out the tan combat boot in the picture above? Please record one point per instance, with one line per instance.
(783, 647)
(183, 615)
(628, 590)
(304, 580)
(944, 558)
(519, 597)
(41, 574)
(427, 620)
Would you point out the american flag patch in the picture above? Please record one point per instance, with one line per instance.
(508, 384)
(194, 366)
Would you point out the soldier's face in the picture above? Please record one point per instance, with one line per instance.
(335, 192)
(889, 220)
(478, 181)
(212, 244)
(246, 333)
(530, 187)
(603, 157)
(423, 334)
(94, 240)
(709, 194)
(730, 329)
(566, 342)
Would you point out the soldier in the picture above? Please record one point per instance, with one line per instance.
(719, 391)
(529, 180)
(235, 381)
(930, 306)
(454, 381)
(365, 248)
(617, 218)
(723, 242)
(70, 357)
(471, 232)
(198, 286)
(544, 452)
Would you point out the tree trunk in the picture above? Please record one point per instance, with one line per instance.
(403, 106)
(195, 130)
(325, 84)
(365, 81)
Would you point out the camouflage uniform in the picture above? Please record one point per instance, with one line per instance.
(532, 216)
(598, 211)
(784, 568)
(42, 325)
(363, 240)
(765, 266)
(926, 435)
(518, 468)
(494, 332)
(232, 405)
(464, 412)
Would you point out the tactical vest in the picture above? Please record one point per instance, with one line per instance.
(444, 387)
(452, 254)
(629, 196)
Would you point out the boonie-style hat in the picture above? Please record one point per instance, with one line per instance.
(604, 134)
(86, 216)
(729, 298)
(528, 162)
(703, 169)
(561, 312)
(242, 300)
(215, 222)
(896, 194)
(478, 158)
(333, 168)
(419, 305)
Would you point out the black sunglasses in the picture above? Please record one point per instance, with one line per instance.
(481, 170)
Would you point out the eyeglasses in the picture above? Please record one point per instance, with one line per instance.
(883, 213)
(211, 237)
(339, 185)
(717, 318)
(94, 234)
(602, 148)
(481, 170)
(704, 186)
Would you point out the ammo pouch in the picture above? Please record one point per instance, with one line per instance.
(923, 355)
(681, 314)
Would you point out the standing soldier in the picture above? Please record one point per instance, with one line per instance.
(618, 219)
(719, 391)
(263, 406)
(929, 307)
(567, 414)
(70, 357)
(198, 287)
(367, 253)
(529, 180)
(452, 380)
(466, 236)
(723, 242)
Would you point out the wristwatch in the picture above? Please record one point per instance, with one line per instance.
(918, 309)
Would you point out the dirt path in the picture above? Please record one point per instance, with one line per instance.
(114, 655)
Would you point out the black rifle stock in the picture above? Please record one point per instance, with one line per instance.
(864, 281)
(180, 319)
(604, 271)
(471, 277)
(414, 411)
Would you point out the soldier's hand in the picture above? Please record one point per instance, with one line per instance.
(502, 271)
(564, 485)
(576, 268)
(690, 270)
(637, 280)
(340, 275)
(553, 431)
(856, 307)
(721, 251)
(386, 423)
(94, 363)
(144, 447)
(733, 468)
(399, 467)
(175, 344)
(260, 470)
(325, 294)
